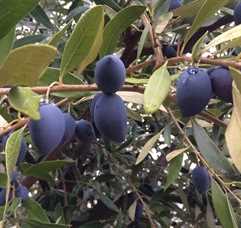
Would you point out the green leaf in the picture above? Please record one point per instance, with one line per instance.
(38, 224)
(210, 151)
(189, 9)
(11, 155)
(108, 202)
(3, 180)
(198, 47)
(120, 22)
(59, 35)
(157, 89)
(142, 41)
(173, 170)
(111, 3)
(147, 147)
(40, 16)
(236, 75)
(29, 40)
(84, 43)
(6, 44)
(12, 12)
(137, 81)
(222, 207)
(52, 74)
(233, 131)
(229, 38)
(24, 65)
(25, 100)
(207, 10)
(35, 211)
(43, 168)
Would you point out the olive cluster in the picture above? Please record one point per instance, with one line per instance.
(107, 109)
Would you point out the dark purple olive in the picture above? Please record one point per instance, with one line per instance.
(221, 80)
(110, 117)
(201, 179)
(92, 108)
(110, 74)
(48, 132)
(22, 192)
(194, 91)
(69, 128)
(174, 4)
(84, 131)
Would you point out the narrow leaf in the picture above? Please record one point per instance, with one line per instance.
(24, 65)
(157, 89)
(25, 100)
(118, 24)
(175, 153)
(85, 41)
(173, 170)
(210, 151)
(221, 206)
(233, 132)
(147, 147)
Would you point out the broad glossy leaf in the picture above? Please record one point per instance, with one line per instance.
(35, 211)
(207, 9)
(157, 89)
(12, 12)
(85, 41)
(6, 44)
(111, 3)
(147, 147)
(25, 100)
(173, 170)
(221, 206)
(24, 65)
(118, 24)
(233, 132)
(232, 35)
(210, 151)
(40, 16)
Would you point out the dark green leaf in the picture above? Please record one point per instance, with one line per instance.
(108, 202)
(210, 151)
(35, 211)
(6, 44)
(120, 22)
(221, 206)
(12, 12)
(37, 224)
(111, 3)
(40, 16)
(29, 40)
(3, 180)
(173, 170)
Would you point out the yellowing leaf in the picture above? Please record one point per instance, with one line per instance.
(233, 132)
(147, 147)
(25, 100)
(85, 41)
(157, 89)
(132, 210)
(175, 153)
(24, 65)
(227, 37)
(236, 75)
